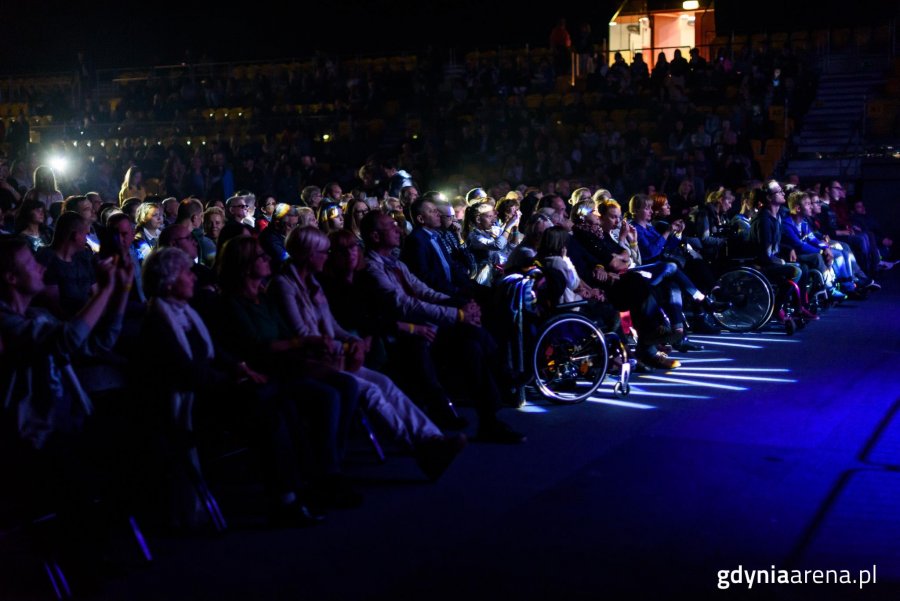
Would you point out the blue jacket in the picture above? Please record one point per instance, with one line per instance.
(798, 238)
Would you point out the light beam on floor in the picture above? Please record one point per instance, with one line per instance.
(693, 361)
(770, 370)
(731, 344)
(748, 378)
(667, 395)
(619, 403)
(692, 383)
(747, 338)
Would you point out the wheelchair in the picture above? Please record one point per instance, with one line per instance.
(752, 299)
(567, 355)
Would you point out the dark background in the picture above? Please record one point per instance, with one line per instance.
(36, 36)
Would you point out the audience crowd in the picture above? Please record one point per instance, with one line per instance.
(249, 289)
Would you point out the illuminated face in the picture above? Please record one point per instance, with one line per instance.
(806, 207)
(213, 226)
(336, 222)
(836, 191)
(183, 287)
(154, 220)
(816, 203)
(389, 232)
(645, 213)
(611, 219)
(125, 233)
(776, 194)
(486, 219)
(727, 201)
(38, 215)
(269, 206)
(592, 218)
(430, 216)
(448, 216)
(238, 209)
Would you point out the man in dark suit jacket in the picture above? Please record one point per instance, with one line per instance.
(426, 257)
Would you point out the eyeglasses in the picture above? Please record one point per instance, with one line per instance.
(361, 212)
(238, 206)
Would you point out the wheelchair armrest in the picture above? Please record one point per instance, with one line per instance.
(568, 306)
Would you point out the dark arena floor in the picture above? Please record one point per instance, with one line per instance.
(762, 452)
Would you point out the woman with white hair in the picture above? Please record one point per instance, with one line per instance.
(302, 302)
(181, 352)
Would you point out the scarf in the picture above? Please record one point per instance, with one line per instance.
(182, 318)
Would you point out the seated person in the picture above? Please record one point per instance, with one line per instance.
(298, 295)
(486, 240)
(797, 237)
(454, 333)
(629, 291)
(69, 275)
(555, 265)
(250, 327)
(179, 348)
(709, 222)
(765, 239)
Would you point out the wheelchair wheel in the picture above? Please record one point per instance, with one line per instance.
(752, 300)
(570, 359)
(818, 292)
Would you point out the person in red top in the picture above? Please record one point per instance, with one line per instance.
(560, 43)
